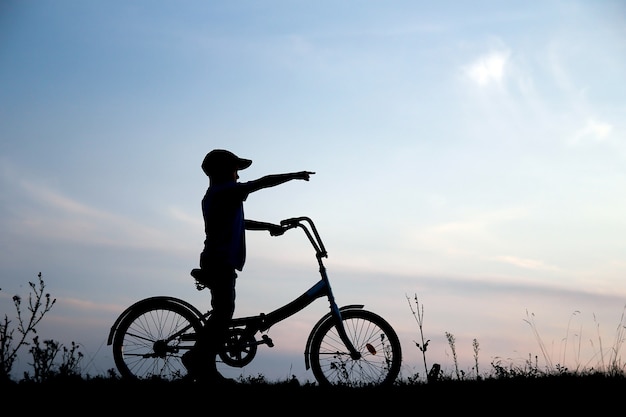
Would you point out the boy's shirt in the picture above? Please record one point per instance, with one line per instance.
(224, 225)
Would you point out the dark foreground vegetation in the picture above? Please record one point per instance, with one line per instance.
(57, 385)
(564, 394)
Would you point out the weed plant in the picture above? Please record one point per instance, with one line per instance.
(54, 362)
(45, 364)
(609, 361)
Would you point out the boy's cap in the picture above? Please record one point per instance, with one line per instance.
(221, 160)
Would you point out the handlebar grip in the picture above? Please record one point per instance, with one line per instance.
(290, 222)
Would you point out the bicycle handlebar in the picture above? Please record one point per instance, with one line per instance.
(293, 222)
(314, 238)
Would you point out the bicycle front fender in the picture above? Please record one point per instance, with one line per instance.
(151, 301)
(324, 319)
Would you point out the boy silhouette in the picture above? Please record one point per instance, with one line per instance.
(224, 250)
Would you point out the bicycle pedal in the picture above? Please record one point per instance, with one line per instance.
(267, 340)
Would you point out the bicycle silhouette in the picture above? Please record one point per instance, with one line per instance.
(349, 346)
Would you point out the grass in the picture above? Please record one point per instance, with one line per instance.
(505, 387)
(563, 394)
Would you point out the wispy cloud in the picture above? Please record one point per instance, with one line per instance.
(593, 130)
(184, 217)
(481, 220)
(533, 264)
(82, 306)
(48, 214)
(489, 68)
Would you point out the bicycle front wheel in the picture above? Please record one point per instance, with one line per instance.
(375, 340)
(150, 341)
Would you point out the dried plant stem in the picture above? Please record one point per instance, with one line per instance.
(418, 313)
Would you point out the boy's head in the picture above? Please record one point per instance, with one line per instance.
(221, 162)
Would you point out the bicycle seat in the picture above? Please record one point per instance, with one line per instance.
(202, 277)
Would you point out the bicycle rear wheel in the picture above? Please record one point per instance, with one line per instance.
(151, 340)
(372, 336)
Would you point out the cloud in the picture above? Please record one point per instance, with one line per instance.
(184, 217)
(62, 217)
(526, 263)
(57, 201)
(487, 69)
(47, 214)
(479, 222)
(83, 306)
(593, 130)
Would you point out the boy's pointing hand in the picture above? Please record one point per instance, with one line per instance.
(304, 175)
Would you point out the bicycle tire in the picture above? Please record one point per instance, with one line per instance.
(372, 336)
(144, 346)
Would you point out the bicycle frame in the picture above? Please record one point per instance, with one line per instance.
(321, 289)
(262, 322)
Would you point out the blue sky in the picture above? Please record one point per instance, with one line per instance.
(471, 153)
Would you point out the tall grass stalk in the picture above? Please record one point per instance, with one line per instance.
(566, 339)
(418, 313)
(608, 360)
(614, 365)
(542, 347)
(476, 348)
(452, 344)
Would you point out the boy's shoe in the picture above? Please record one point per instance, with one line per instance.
(199, 370)
(191, 363)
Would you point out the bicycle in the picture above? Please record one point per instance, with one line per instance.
(348, 346)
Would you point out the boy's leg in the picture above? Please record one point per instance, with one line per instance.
(201, 360)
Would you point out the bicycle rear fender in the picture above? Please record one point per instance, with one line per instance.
(157, 300)
(325, 318)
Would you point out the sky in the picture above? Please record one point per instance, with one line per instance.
(469, 163)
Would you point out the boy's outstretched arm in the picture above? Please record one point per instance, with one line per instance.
(274, 229)
(277, 179)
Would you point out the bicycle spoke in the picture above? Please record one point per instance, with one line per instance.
(149, 343)
(372, 337)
